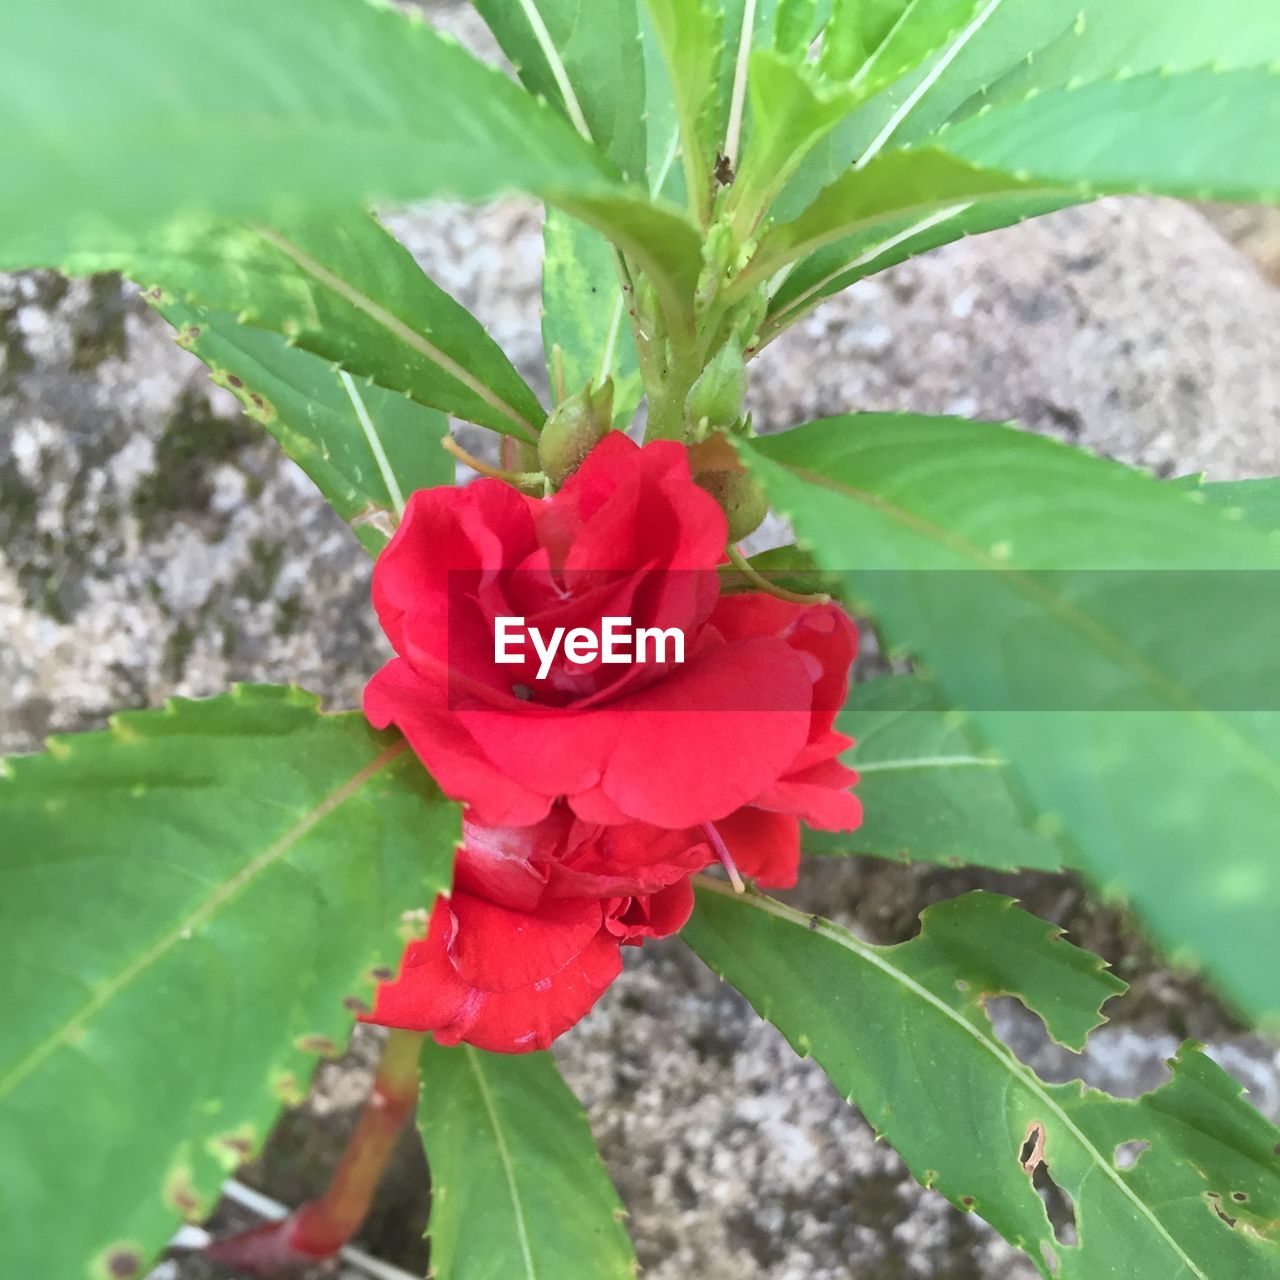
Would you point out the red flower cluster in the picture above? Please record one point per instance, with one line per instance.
(594, 793)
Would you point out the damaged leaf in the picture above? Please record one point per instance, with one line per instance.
(189, 898)
(902, 1032)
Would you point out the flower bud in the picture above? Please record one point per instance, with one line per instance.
(715, 399)
(573, 429)
(716, 469)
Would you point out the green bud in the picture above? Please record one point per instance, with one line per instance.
(740, 498)
(715, 399)
(573, 430)
(716, 469)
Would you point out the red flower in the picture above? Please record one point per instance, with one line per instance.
(746, 720)
(532, 933)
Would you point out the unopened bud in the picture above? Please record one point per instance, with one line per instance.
(715, 399)
(716, 469)
(573, 430)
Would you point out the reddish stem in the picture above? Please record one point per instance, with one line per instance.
(320, 1228)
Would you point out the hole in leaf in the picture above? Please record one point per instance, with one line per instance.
(1239, 1197)
(1021, 1030)
(1031, 1155)
(1127, 1153)
(1215, 1203)
(1059, 1205)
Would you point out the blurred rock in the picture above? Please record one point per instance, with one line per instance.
(155, 543)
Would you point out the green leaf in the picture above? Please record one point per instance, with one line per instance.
(796, 103)
(190, 899)
(366, 448)
(361, 104)
(584, 314)
(857, 209)
(156, 107)
(1013, 49)
(792, 106)
(1098, 40)
(795, 23)
(915, 49)
(1257, 501)
(1205, 134)
(1197, 134)
(660, 241)
(518, 1191)
(902, 1031)
(929, 787)
(663, 169)
(885, 242)
(863, 25)
(1046, 607)
(345, 289)
(685, 32)
(580, 56)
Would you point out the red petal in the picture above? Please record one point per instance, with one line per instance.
(398, 695)
(497, 949)
(531, 1018)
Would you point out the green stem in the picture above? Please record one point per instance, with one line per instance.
(757, 579)
(525, 481)
(667, 397)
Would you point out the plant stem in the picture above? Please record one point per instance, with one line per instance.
(666, 399)
(524, 480)
(753, 575)
(320, 1228)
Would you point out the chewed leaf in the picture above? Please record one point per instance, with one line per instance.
(193, 903)
(1071, 630)
(902, 1032)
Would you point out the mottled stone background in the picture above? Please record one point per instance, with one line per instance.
(154, 542)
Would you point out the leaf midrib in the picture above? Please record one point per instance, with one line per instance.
(559, 72)
(504, 1155)
(399, 330)
(1025, 1076)
(907, 763)
(198, 917)
(935, 73)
